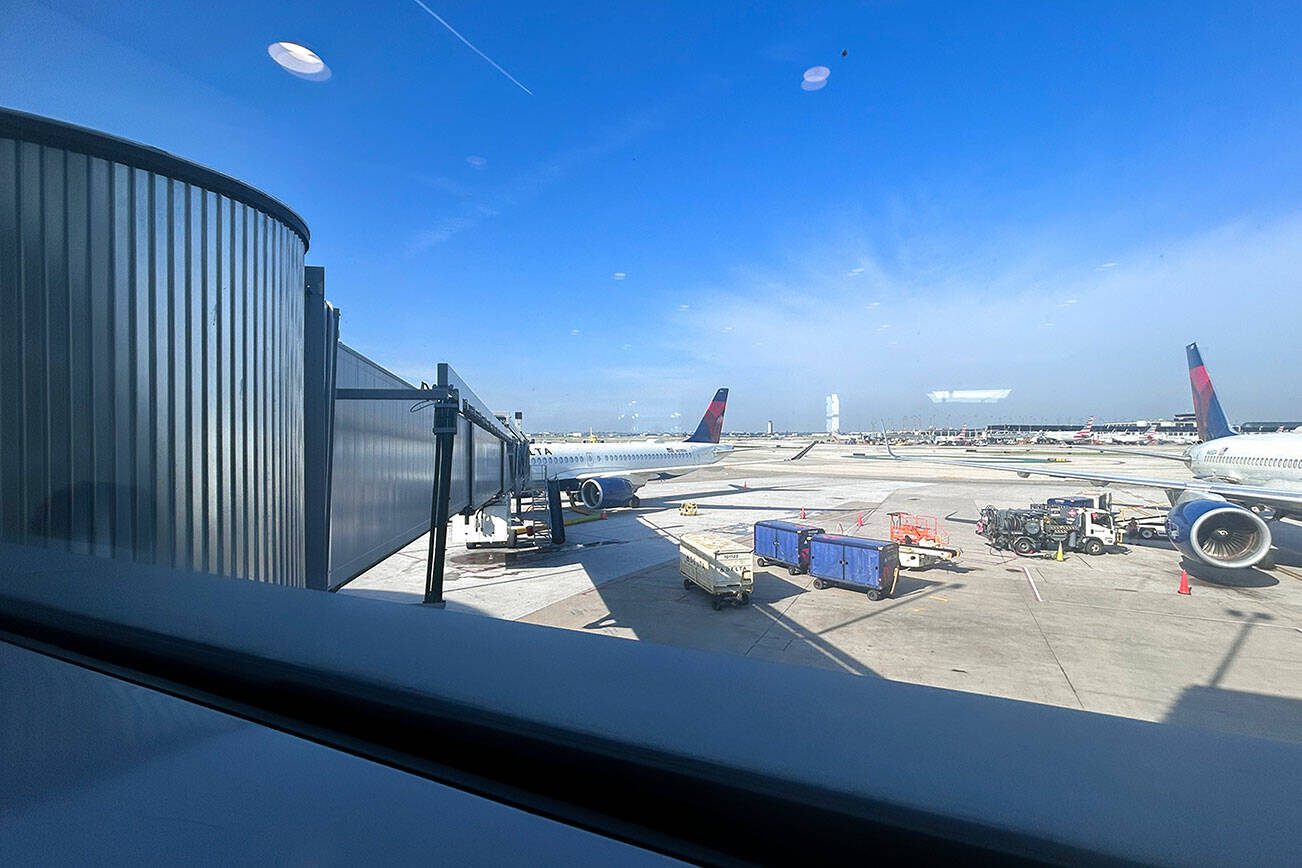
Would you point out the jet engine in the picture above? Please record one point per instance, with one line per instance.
(606, 492)
(1217, 532)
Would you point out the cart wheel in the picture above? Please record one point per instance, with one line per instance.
(717, 604)
(743, 598)
(874, 594)
(687, 584)
(761, 562)
(819, 584)
(795, 571)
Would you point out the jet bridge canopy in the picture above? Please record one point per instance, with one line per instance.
(394, 460)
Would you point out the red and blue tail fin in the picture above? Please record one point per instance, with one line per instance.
(712, 422)
(1207, 407)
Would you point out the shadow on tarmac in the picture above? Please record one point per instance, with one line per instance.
(1211, 706)
(656, 607)
(1248, 577)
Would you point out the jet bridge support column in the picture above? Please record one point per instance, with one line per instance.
(445, 429)
(555, 515)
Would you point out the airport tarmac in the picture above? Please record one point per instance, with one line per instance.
(1107, 634)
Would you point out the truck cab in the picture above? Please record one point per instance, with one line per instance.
(1100, 525)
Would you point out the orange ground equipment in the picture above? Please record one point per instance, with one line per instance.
(920, 530)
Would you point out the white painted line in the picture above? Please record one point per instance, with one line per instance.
(1033, 587)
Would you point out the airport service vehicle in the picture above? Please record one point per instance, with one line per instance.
(872, 565)
(1082, 501)
(1241, 483)
(608, 475)
(785, 543)
(1041, 527)
(921, 542)
(720, 566)
(1147, 527)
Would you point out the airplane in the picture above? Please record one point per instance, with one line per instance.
(1147, 438)
(608, 475)
(1241, 482)
(1084, 435)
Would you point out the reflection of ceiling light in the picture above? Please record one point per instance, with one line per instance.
(619, 275)
(817, 73)
(476, 162)
(813, 85)
(968, 396)
(298, 60)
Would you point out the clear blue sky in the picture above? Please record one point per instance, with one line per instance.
(1050, 197)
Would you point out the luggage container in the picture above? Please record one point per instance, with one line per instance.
(851, 561)
(785, 543)
(718, 565)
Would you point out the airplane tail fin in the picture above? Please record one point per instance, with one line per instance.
(1207, 407)
(712, 422)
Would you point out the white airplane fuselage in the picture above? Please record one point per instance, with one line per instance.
(561, 461)
(1269, 460)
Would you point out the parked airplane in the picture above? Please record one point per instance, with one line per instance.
(1147, 438)
(1084, 435)
(608, 475)
(1241, 482)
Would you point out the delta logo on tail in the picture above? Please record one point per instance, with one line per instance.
(711, 427)
(1212, 424)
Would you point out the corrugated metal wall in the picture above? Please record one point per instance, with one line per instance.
(383, 472)
(151, 368)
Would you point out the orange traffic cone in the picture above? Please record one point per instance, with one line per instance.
(605, 514)
(861, 519)
(802, 512)
(1184, 583)
(745, 485)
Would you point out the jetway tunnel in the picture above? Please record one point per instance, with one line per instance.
(173, 389)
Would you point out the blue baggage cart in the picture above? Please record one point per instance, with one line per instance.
(785, 543)
(850, 561)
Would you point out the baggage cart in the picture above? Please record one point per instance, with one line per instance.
(718, 565)
(785, 543)
(854, 562)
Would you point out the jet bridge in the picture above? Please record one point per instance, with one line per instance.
(391, 460)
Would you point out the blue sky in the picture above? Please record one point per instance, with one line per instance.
(1051, 199)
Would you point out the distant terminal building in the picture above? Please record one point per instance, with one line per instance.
(833, 413)
(1181, 424)
(1268, 427)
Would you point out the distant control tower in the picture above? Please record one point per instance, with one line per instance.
(770, 428)
(833, 413)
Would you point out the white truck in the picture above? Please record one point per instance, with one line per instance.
(718, 565)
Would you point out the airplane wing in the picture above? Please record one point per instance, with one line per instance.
(642, 475)
(1276, 498)
(1114, 450)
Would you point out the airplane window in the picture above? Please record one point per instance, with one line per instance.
(979, 233)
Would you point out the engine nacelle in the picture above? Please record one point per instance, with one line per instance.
(1217, 532)
(606, 492)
